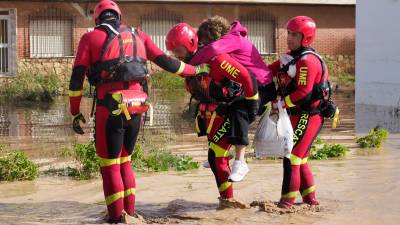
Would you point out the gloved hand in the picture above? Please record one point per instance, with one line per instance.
(202, 68)
(252, 109)
(276, 102)
(75, 123)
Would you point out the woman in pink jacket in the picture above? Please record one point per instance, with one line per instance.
(217, 37)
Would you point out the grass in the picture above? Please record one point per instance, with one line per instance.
(153, 161)
(322, 151)
(31, 85)
(160, 160)
(338, 74)
(88, 162)
(374, 139)
(14, 165)
(166, 81)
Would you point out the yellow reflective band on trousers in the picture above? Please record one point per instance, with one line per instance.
(114, 197)
(292, 194)
(213, 115)
(125, 159)
(74, 93)
(109, 162)
(224, 186)
(130, 191)
(308, 191)
(181, 68)
(197, 122)
(219, 151)
(297, 161)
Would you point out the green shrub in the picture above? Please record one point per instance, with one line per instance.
(89, 163)
(31, 86)
(161, 160)
(166, 81)
(374, 139)
(321, 150)
(337, 73)
(155, 160)
(14, 165)
(328, 151)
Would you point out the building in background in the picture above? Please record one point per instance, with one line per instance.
(41, 31)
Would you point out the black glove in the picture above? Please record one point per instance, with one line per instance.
(75, 123)
(252, 109)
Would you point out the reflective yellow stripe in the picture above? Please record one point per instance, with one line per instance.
(294, 160)
(124, 109)
(214, 114)
(114, 197)
(336, 121)
(219, 151)
(290, 195)
(255, 97)
(181, 68)
(224, 186)
(74, 93)
(308, 191)
(125, 159)
(289, 102)
(130, 191)
(108, 162)
(304, 161)
(197, 122)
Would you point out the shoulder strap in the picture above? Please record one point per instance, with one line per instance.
(297, 58)
(111, 33)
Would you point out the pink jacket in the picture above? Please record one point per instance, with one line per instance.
(241, 49)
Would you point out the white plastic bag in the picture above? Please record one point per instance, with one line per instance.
(274, 134)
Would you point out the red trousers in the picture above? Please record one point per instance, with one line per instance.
(297, 175)
(115, 138)
(217, 129)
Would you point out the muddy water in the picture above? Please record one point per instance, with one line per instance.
(45, 130)
(363, 189)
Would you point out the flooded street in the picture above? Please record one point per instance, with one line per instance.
(361, 189)
(44, 131)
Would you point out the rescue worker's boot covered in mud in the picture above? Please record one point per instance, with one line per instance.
(286, 203)
(134, 219)
(310, 198)
(225, 203)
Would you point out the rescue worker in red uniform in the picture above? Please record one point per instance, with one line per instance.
(228, 103)
(113, 57)
(302, 76)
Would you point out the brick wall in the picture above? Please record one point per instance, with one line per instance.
(336, 24)
(335, 36)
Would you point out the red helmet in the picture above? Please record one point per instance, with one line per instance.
(182, 34)
(104, 5)
(304, 25)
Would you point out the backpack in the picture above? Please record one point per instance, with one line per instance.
(114, 65)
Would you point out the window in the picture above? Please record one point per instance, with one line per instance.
(157, 23)
(261, 31)
(8, 31)
(50, 34)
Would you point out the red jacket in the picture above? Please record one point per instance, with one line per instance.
(224, 66)
(308, 74)
(89, 52)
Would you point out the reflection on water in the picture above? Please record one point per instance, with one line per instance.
(48, 128)
(370, 116)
